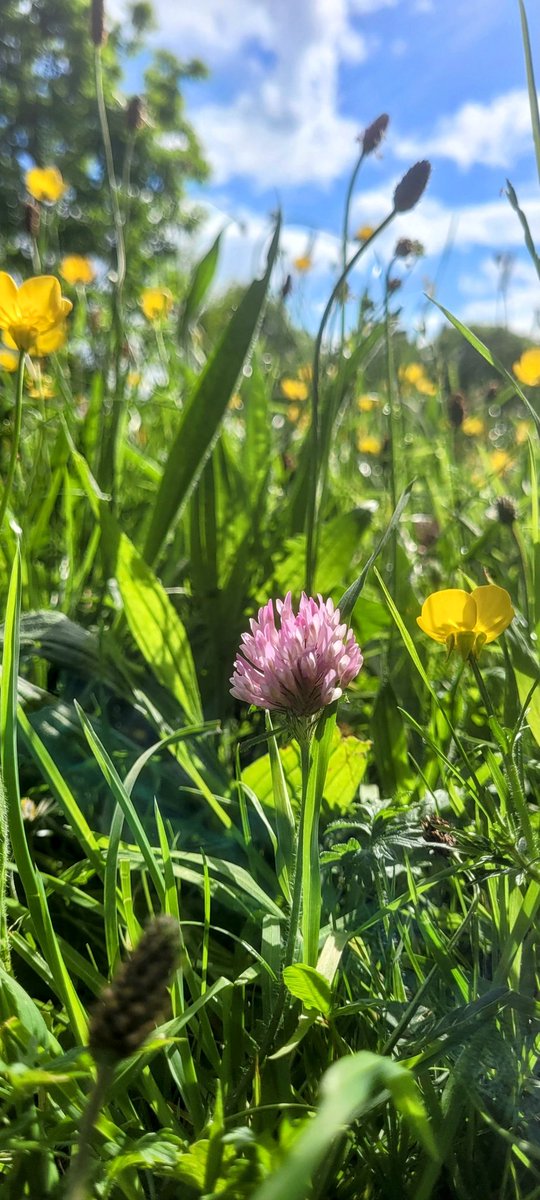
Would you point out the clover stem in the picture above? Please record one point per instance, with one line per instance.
(16, 437)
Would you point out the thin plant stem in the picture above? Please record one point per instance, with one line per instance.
(108, 463)
(111, 175)
(16, 438)
(77, 1184)
(345, 233)
(313, 476)
(268, 1041)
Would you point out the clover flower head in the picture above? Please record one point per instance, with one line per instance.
(299, 663)
(466, 621)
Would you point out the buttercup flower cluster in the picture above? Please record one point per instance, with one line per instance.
(298, 664)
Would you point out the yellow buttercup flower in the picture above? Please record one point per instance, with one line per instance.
(523, 429)
(369, 445)
(466, 621)
(41, 388)
(303, 263)
(527, 368)
(414, 376)
(156, 303)
(293, 412)
(32, 316)
(366, 403)
(499, 461)
(75, 269)
(294, 389)
(473, 426)
(8, 361)
(45, 184)
(364, 233)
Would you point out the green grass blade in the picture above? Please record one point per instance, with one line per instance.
(531, 84)
(486, 353)
(201, 281)
(349, 598)
(202, 418)
(124, 800)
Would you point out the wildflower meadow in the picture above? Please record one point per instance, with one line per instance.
(269, 707)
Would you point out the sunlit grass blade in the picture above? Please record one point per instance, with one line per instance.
(201, 419)
(489, 357)
(531, 84)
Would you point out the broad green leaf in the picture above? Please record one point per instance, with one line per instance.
(157, 629)
(308, 986)
(346, 769)
(201, 420)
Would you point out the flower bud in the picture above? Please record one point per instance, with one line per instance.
(135, 114)
(374, 133)
(130, 1006)
(97, 23)
(456, 410)
(411, 187)
(408, 248)
(506, 510)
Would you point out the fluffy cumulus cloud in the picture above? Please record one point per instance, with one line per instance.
(496, 134)
(490, 224)
(283, 125)
(278, 120)
(481, 231)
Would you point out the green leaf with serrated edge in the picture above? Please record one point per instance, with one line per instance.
(307, 985)
(201, 420)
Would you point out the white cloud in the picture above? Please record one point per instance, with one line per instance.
(494, 135)
(484, 302)
(474, 295)
(286, 127)
(491, 224)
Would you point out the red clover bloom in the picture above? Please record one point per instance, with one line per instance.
(299, 665)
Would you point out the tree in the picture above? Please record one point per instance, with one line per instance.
(48, 116)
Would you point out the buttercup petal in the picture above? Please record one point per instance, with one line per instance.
(447, 612)
(8, 300)
(49, 342)
(40, 302)
(494, 610)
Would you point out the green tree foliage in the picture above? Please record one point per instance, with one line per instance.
(471, 369)
(48, 116)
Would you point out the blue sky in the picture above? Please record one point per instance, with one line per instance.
(294, 82)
